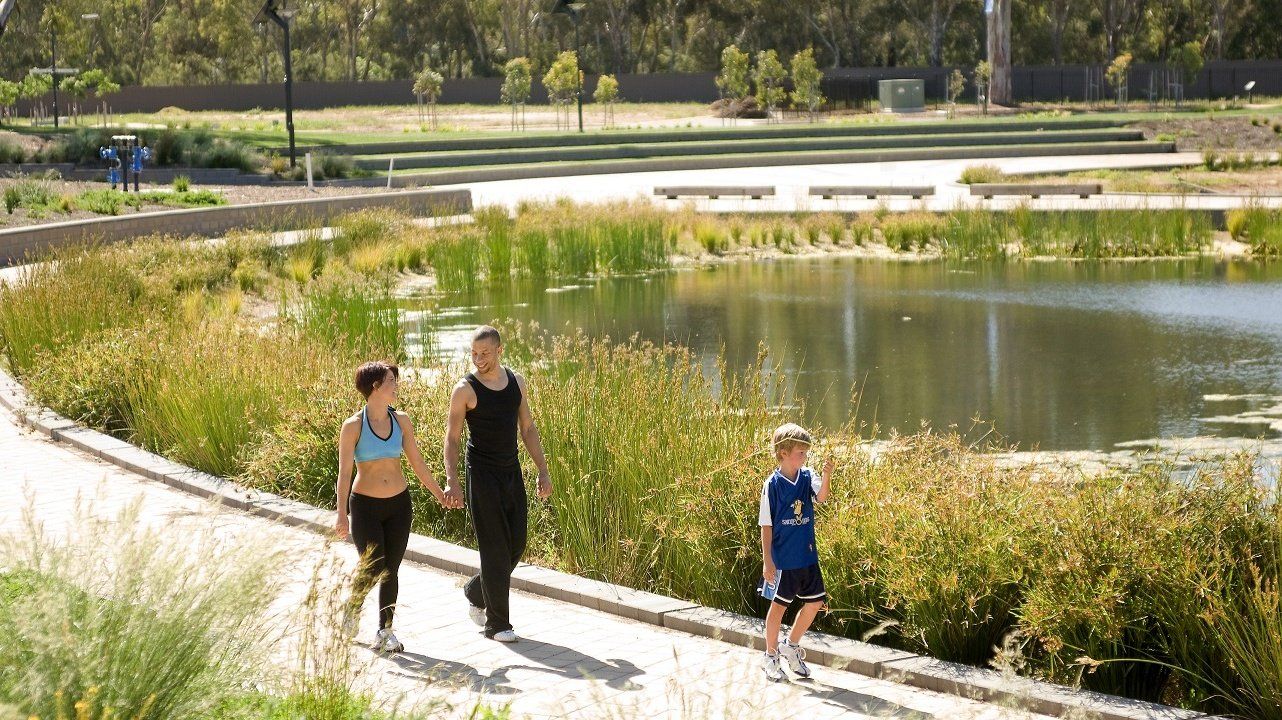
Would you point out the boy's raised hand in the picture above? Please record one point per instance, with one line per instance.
(829, 465)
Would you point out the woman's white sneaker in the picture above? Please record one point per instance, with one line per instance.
(386, 642)
(505, 636)
(770, 663)
(795, 656)
(476, 613)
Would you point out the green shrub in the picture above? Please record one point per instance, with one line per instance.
(12, 198)
(102, 202)
(974, 174)
(332, 167)
(11, 152)
(225, 154)
(181, 183)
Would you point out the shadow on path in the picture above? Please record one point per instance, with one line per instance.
(858, 702)
(431, 670)
(566, 662)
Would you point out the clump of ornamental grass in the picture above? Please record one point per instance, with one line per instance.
(109, 620)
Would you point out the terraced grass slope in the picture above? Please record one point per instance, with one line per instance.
(689, 148)
(666, 135)
(506, 157)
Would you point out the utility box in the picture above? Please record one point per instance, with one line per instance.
(902, 95)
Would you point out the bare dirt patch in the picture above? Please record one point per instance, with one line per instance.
(1220, 133)
(1252, 181)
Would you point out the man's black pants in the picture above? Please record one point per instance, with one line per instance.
(497, 503)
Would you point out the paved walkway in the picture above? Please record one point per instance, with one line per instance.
(571, 662)
(792, 184)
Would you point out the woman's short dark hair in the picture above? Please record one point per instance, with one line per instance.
(370, 374)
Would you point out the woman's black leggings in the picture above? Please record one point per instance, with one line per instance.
(381, 530)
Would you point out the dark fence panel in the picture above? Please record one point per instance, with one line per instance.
(693, 87)
(845, 87)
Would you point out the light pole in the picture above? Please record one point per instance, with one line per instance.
(93, 44)
(281, 18)
(53, 71)
(574, 9)
(53, 68)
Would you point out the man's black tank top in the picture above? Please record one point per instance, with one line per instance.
(492, 424)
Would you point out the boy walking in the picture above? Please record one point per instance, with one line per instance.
(789, 559)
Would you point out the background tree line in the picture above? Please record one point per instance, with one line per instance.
(179, 42)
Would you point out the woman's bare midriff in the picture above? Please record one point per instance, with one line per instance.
(380, 478)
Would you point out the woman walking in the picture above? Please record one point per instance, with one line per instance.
(378, 502)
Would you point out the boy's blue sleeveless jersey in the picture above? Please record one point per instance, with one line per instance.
(789, 508)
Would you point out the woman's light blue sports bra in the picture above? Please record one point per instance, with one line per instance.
(369, 446)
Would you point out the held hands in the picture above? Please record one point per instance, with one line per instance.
(545, 484)
(445, 499)
(453, 497)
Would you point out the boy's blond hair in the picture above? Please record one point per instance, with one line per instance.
(787, 437)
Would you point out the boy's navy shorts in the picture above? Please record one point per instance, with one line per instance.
(804, 584)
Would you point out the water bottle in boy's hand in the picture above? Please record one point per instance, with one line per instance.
(768, 589)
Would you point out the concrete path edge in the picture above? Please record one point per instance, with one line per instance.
(829, 650)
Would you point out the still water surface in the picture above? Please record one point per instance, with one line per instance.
(1057, 355)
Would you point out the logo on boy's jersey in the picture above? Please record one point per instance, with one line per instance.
(796, 509)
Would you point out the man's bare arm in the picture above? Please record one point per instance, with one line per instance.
(533, 443)
(454, 436)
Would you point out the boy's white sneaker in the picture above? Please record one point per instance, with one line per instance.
(476, 613)
(795, 656)
(505, 636)
(770, 663)
(386, 642)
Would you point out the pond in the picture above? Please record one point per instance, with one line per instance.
(1054, 355)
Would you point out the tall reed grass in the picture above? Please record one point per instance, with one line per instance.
(1093, 235)
(1258, 227)
(359, 314)
(1113, 580)
(113, 621)
(50, 307)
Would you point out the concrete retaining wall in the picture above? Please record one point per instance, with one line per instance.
(16, 244)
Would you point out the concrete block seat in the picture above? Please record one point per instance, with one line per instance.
(1036, 190)
(872, 192)
(714, 192)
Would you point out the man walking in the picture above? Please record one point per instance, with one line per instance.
(494, 403)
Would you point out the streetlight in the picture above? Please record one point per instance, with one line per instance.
(282, 18)
(53, 71)
(90, 17)
(574, 9)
